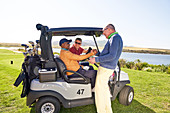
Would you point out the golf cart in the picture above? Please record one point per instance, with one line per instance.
(46, 84)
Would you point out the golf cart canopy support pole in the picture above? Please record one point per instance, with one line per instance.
(96, 43)
(43, 43)
(50, 51)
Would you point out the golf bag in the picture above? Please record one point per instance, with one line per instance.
(29, 72)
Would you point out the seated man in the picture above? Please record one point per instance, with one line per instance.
(77, 49)
(71, 59)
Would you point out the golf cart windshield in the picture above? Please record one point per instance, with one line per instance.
(47, 34)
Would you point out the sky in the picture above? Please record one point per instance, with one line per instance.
(141, 23)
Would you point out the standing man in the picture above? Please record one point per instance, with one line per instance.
(108, 59)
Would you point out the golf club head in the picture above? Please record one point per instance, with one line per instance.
(30, 51)
(24, 45)
(25, 53)
(37, 41)
(31, 42)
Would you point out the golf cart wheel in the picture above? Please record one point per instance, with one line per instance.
(126, 95)
(47, 105)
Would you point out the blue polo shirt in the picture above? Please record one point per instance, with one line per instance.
(109, 57)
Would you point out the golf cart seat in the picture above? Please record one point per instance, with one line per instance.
(61, 67)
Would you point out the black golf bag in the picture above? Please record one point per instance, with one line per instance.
(29, 72)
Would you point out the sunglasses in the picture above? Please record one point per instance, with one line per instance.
(105, 29)
(77, 43)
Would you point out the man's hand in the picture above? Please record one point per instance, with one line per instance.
(92, 60)
(94, 51)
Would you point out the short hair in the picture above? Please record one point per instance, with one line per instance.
(79, 39)
(111, 26)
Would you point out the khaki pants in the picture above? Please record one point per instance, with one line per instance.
(102, 92)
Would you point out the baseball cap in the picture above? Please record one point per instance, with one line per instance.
(64, 40)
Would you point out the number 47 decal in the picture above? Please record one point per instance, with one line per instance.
(80, 91)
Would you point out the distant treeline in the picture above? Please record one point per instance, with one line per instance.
(146, 51)
(10, 45)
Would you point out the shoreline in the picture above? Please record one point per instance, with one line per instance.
(146, 50)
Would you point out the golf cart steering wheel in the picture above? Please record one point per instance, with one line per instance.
(89, 50)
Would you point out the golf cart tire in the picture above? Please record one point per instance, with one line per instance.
(126, 95)
(46, 103)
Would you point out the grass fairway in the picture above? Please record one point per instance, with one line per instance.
(152, 91)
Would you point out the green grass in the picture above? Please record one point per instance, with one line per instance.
(152, 92)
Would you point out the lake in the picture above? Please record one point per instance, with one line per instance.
(149, 58)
